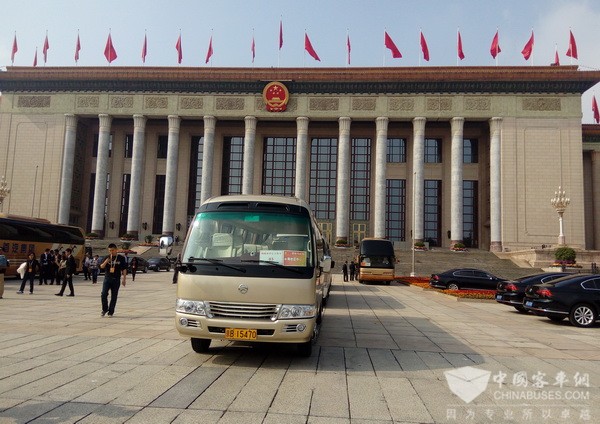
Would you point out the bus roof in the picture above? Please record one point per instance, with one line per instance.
(379, 247)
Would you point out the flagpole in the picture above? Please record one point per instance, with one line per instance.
(12, 56)
(457, 33)
(253, 47)
(44, 48)
(76, 45)
(420, 32)
(385, 32)
(570, 47)
(347, 47)
(110, 38)
(280, 40)
(497, 45)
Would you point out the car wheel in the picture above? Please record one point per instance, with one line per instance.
(521, 309)
(453, 286)
(583, 315)
(556, 318)
(200, 345)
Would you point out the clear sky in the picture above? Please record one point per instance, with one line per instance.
(233, 23)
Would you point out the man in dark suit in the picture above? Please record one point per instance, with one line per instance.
(69, 271)
(45, 266)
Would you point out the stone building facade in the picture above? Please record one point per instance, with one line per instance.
(453, 154)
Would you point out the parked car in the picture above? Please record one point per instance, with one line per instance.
(142, 264)
(464, 278)
(156, 264)
(512, 292)
(576, 297)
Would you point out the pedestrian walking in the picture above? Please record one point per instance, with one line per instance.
(62, 267)
(32, 266)
(86, 267)
(94, 269)
(352, 269)
(134, 265)
(115, 274)
(345, 270)
(70, 268)
(3, 266)
(45, 264)
(176, 270)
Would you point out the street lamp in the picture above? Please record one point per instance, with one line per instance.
(4, 191)
(560, 203)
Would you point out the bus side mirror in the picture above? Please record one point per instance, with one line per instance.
(165, 245)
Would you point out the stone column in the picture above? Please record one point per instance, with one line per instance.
(168, 225)
(418, 184)
(301, 188)
(101, 174)
(207, 157)
(495, 185)
(342, 207)
(137, 170)
(249, 140)
(381, 124)
(66, 177)
(456, 181)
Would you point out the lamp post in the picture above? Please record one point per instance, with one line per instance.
(4, 191)
(560, 202)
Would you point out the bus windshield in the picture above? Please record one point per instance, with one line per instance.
(250, 237)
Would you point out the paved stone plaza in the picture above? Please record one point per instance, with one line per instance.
(381, 357)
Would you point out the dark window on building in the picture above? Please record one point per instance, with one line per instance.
(396, 150)
(90, 202)
(360, 179)
(323, 177)
(470, 213)
(128, 145)
(195, 185)
(233, 164)
(279, 166)
(433, 212)
(124, 213)
(396, 210)
(433, 150)
(470, 151)
(163, 145)
(159, 204)
(95, 146)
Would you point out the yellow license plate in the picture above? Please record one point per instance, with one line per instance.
(240, 334)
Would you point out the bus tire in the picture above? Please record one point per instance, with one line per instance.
(200, 345)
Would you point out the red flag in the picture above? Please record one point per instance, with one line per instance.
(109, 51)
(15, 49)
(424, 48)
(495, 48)
(253, 48)
(595, 110)
(35, 58)
(45, 48)
(528, 49)
(280, 34)
(556, 59)
(179, 49)
(77, 48)
(144, 49)
(389, 43)
(572, 52)
(209, 53)
(461, 54)
(349, 48)
(309, 48)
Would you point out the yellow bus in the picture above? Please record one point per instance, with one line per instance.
(20, 235)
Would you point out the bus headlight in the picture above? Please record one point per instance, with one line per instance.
(195, 307)
(297, 311)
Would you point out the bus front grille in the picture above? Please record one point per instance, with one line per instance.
(242, 310)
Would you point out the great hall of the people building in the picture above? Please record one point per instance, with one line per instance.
(455, 154)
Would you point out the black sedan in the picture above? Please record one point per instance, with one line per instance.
(464, 278)
(576, 297)
(512, 292)
(157, 264)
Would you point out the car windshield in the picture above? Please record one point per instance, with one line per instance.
(250, 237)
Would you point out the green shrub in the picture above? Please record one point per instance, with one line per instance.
(148, 238)
(565, 254)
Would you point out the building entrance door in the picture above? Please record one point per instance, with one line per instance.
(359, 232)
(326, 230)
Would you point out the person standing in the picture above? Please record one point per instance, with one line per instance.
(94, 269)
(345, 270)
(86, 267)
(3, 265)
(31, 267)
(134, 265)
(352, 269)
(45, 267)
(70, 267)
(61, 274)
(115, 267)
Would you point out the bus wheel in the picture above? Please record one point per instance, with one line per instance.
(200, 345)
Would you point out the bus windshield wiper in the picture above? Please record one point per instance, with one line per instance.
(216, 262)
(278, 265)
